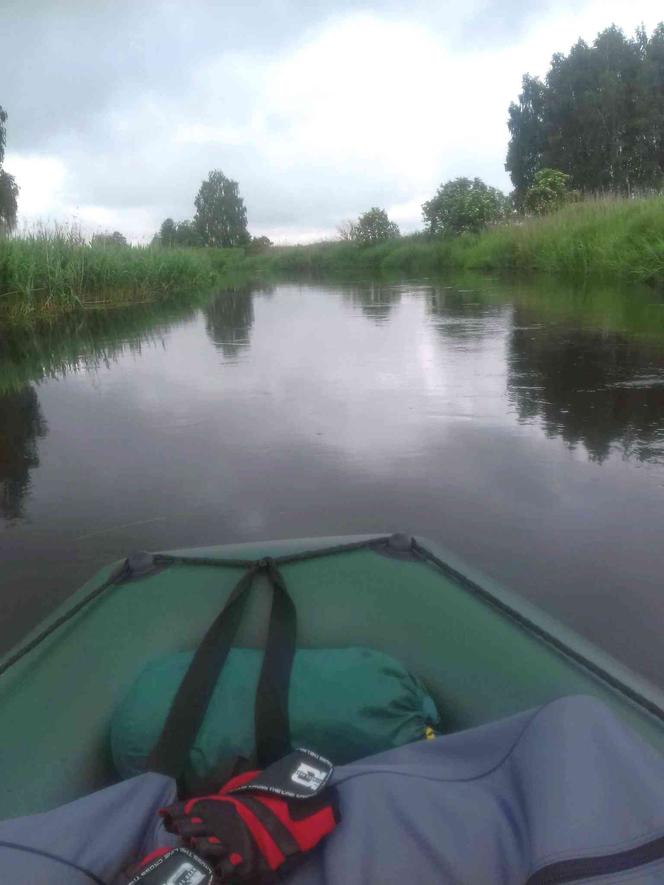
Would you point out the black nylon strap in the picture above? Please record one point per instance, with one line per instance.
(271, 711)
(171, 752)
(192, 699)
(279, 832)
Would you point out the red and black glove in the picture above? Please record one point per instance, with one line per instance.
(248, 831)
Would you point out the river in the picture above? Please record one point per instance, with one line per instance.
(521, 423)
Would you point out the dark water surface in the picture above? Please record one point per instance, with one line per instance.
(520, 423)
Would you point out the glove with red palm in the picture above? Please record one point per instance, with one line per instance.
(259, 820)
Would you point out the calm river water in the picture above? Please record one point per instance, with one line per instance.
(520, 423)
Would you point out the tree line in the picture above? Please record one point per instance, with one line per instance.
(597, 116)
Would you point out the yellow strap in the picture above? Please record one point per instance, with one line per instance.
(429, 733)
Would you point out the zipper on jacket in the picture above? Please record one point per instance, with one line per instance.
(602, 865)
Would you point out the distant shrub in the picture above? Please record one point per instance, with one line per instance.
(374, 227)
(464, 205)
(548, 192)
(107, 239)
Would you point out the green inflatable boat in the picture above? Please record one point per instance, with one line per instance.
(482, 652)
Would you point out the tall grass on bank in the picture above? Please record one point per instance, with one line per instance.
(55, 271)
(615, 237)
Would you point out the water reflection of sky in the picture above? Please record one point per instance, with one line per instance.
(458, 415)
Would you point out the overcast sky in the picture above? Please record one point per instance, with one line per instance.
(319, 110)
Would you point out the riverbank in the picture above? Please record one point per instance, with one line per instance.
(619, 238)
(56, 272)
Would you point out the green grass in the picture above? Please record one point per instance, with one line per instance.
(613, 237)
(602, 237)
(55, 272)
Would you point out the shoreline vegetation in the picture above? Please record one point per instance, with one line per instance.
(54, 272)
(618, 237)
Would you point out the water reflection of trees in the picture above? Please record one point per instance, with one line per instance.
(228, 321)
(93, 338)
(463, 313)
(52, 349)
(21, 425)
(375, 300)
(84, 340)
(591, 387)
(229, 317)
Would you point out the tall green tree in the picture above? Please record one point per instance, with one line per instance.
(221, 217)
(3, 133)
(374, 226)
(527, 143)
(8, 187)
(652, 131)
(463, 205)
(180, 233)
(188, 234)
(167, 233)
(597, 116)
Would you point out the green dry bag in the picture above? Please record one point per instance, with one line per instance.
(343, 703)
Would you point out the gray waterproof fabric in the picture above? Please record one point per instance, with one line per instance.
(489, 806)
(90, 840)
(496, 804)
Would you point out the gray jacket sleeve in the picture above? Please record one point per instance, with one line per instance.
(90, 840)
